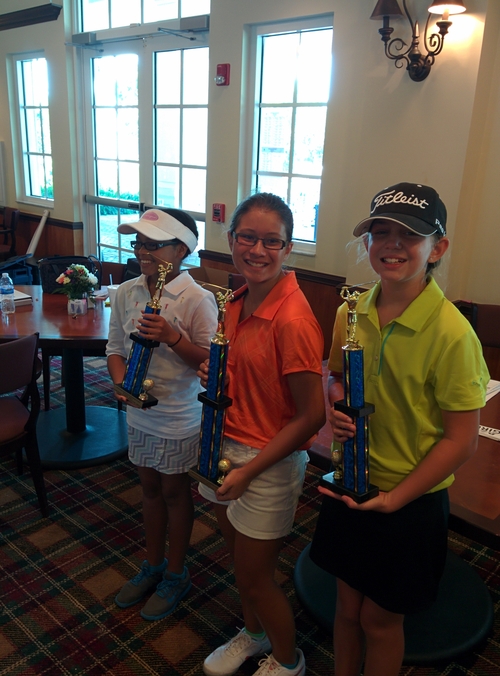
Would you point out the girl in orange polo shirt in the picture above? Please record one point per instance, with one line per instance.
(274, 368)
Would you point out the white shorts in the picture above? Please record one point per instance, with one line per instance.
(266, 510)
(168, 456)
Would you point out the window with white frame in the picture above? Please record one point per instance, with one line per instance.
(104, 14)
(163, 165)
(35, 184)
(293, 82)
(181, 117)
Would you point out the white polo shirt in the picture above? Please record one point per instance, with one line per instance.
(192, 310)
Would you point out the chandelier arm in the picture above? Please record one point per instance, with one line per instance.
(412, 25)
(435, 41)
(428, 39)
(398, 45)
(402, 61)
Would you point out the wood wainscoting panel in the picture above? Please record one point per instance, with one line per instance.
(59, 237)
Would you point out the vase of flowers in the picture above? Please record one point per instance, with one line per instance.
(77, 282)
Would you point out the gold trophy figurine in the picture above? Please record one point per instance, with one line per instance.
(351, 298)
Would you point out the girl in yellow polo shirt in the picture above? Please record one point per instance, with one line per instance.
(426, 376)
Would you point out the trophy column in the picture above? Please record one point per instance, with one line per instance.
(352, 474)
(135, 384)
(212, 468)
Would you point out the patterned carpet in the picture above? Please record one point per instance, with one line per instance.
(60, 575)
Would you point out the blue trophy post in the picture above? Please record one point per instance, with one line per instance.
(212, 467)
(135, 386)
(352, 473)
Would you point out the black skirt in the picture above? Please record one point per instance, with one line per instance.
(395, 559)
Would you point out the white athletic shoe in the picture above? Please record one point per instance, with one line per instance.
(269, 667)
(228, 658)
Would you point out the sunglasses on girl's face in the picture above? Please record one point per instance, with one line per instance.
(151, 246)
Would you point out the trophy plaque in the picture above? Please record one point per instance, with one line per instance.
(212, 467)
(136, 385)
(352, 463)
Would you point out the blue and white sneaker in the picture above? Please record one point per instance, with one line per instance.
(140, 586)
(171, 590)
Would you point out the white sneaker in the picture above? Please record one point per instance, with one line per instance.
(270, 666)
(228, 658)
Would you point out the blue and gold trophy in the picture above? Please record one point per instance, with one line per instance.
(212, 467)
(135, 386)
(352, 464)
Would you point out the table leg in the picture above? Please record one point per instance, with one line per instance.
(74, 388)
(80, 436)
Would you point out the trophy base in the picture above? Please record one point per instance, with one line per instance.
(138, 403)
(144, 342)
(354, 411)
(195, 474)
(219, 405)
(327, 481)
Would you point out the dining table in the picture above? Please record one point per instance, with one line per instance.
(475, 493)
(77, 435)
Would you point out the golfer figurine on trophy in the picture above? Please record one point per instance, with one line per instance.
(135, 386)
(352, 473)
(212, 467)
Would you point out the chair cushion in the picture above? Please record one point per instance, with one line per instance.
(13, 417)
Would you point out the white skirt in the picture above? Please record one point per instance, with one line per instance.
(266, 510)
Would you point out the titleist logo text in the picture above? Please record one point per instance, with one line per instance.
(399, 197)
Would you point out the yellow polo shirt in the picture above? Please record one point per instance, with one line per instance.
(427, 360)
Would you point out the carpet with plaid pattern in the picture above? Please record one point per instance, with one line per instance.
(59, 577)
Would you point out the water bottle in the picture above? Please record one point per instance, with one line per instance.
(7, 304)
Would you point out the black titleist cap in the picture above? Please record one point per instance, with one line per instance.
(417, 207)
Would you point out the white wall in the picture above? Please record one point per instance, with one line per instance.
(381, 126)
(475, 274)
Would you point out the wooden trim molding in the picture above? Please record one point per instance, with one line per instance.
(56, 222)
(305, 275)
(28, 17)
(216, 257)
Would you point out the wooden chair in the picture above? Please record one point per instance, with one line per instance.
(19, 414)
(8, 233)
(485, 320)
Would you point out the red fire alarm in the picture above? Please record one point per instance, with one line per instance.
(222, 76)
(218, 213)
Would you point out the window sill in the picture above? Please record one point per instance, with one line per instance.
(304, 248)
(33, 201)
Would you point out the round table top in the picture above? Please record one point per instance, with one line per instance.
(48, 315)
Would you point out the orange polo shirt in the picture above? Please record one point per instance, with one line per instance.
(282, 336)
